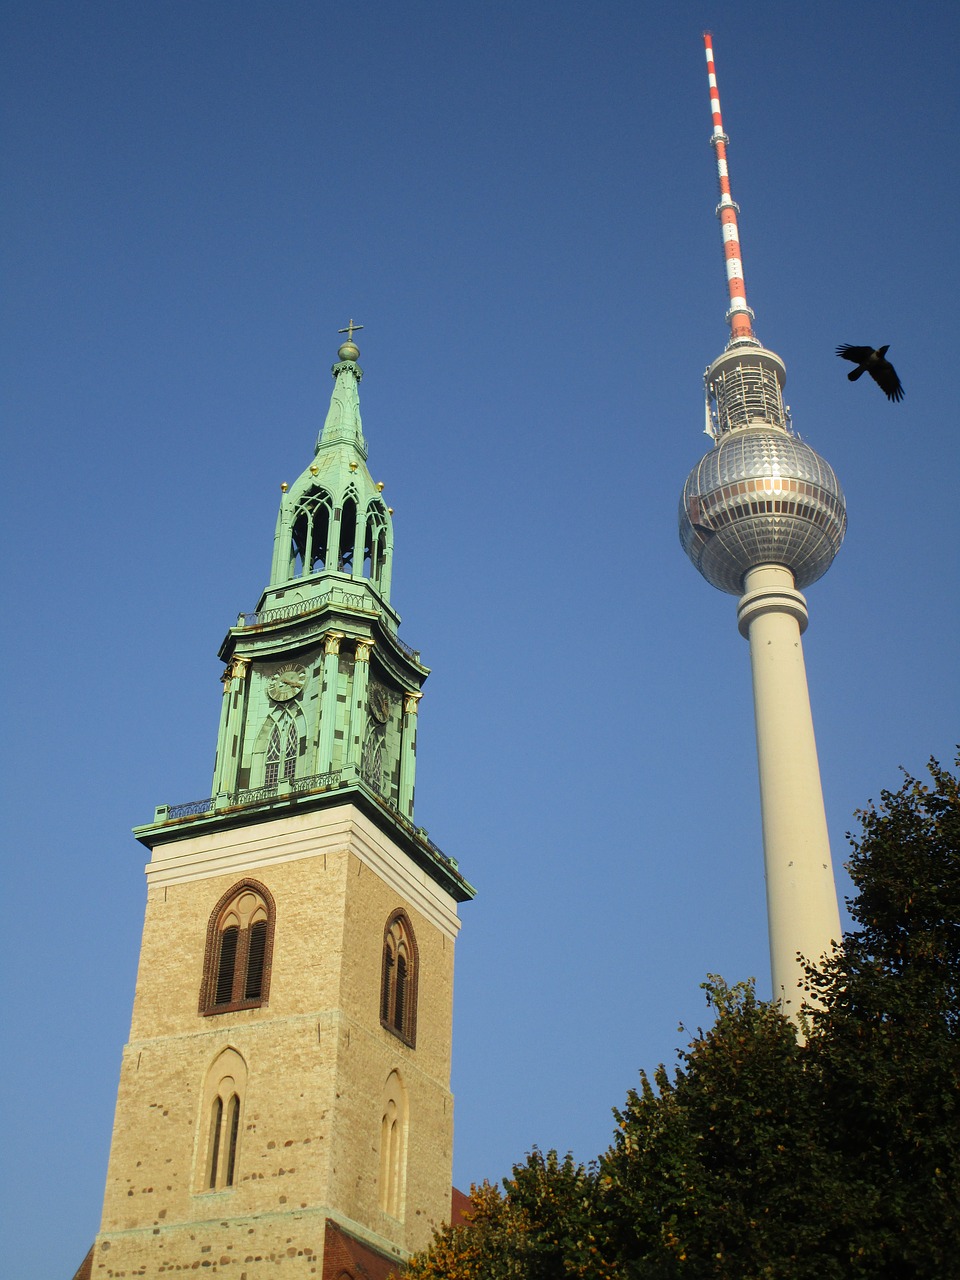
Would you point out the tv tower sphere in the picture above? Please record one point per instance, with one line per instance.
(762, 515)
(760, 496)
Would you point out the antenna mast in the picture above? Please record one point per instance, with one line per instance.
(739, 314)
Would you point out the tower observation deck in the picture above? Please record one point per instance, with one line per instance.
(762, 515)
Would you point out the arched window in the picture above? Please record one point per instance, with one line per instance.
(310, 549)
(375, 543)
(398, 983)
(371, 760)
(220, 1121)
(236, 967)
(348, 531)
(283, 748)
(393, 1146)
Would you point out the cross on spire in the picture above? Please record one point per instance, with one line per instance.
(350, 329)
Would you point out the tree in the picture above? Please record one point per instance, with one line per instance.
(720, 1170)
(543, 1226)
(885, 1049)
(762, 1157)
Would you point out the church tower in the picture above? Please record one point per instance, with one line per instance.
(284, 1102)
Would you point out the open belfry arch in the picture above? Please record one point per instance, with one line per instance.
(284, 1100)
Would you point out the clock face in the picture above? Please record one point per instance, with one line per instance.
(379, 703)
(287, 681)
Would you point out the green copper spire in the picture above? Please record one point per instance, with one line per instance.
(320, 695)
(343, 425)
(318, 684)
(333, 519)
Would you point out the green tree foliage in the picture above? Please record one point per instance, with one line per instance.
(543, 1226)
(765, 1157)
(720, 1171)
(885, 1047)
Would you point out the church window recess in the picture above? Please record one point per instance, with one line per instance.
(399, 977)
(348, 532)
(282, 751)
(375, 544)
(237, 961)
(220, 1122)
(371, 764)
(393, 1146)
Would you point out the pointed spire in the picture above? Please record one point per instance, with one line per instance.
(739, 315)
(333, 519)
(343, 424)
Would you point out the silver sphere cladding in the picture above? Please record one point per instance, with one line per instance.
(761, 497)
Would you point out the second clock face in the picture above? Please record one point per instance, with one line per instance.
(286, 682)
(379, 703)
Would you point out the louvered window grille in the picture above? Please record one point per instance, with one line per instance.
(398, 990)
(256, 953)
(399, 1007)
(236, 971)
(228, 964)
(387, 985)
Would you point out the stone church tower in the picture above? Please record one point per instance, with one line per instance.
(284, 1102)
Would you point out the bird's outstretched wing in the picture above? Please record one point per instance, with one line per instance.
(859, 355)
(885, 376)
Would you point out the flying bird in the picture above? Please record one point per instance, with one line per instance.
(877, 365)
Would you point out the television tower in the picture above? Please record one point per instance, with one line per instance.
(762, 515)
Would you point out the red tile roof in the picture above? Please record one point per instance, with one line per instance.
(346, 1256)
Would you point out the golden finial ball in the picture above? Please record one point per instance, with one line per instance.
(349, 351)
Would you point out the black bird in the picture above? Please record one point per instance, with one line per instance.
(877, 365)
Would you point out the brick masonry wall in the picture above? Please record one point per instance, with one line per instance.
(317, 1061)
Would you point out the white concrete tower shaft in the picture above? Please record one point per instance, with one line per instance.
(802, 911)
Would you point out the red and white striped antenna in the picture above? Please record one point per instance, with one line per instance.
(739, 314)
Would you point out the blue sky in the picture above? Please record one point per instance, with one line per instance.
(517, 201)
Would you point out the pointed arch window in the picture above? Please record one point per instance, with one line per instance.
(375, 544)
(220, 1116)
(371, 760)
(310, 548)
(283, 748)
(239, 950)
(393, 1146)
(399, 978)
(348, 531)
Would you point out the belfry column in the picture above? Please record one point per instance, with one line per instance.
(358, 715)
(408, 752)
(328, 700)
(231, 720)
(801, 897)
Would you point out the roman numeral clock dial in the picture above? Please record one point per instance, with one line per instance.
(286, 682)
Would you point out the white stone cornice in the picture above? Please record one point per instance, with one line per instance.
(243, 850)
